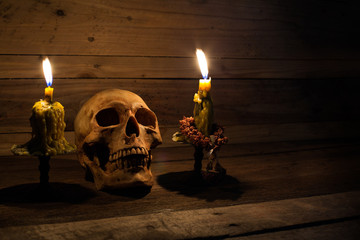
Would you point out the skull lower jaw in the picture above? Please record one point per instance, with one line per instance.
(125, 168)
(120, 178)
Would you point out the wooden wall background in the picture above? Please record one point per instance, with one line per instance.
(281, 70)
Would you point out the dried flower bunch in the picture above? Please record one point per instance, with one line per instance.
(195, 137)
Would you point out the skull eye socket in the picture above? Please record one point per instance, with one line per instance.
(145, 117)
(107, 117)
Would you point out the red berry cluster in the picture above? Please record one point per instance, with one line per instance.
(189, 130)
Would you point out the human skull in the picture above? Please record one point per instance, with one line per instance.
(114, 132)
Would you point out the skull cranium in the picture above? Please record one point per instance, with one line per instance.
(115, 131)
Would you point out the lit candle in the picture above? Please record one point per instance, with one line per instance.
(47, 121)
(204, 84)
(48, 78)
(203, 109)
(48, 125)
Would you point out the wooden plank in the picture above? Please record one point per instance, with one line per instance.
(224, 222)
(238, 134)
(334, 229)
(251, 179)
(19, 66)
(235, 102)
(251, 29)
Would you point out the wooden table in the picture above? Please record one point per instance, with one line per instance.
(284, 190)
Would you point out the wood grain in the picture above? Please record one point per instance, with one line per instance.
(239, 134)
(246, 29)
(235, 102)
(175, 67)
(324, 217)
(251, 179)
(282, 71)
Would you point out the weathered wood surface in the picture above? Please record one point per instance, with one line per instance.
(337, 217)
(320, 181)
(241, 134)
(252, 178)
(271, 62)
(160, 67)
(255, 29)
(281, 71)
(236, 102)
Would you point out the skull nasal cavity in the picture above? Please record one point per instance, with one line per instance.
(132, 127)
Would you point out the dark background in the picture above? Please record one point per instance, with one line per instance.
(276, 65)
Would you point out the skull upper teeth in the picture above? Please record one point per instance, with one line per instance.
(126, 152)
(120, 161)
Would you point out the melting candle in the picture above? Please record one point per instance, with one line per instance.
(203, 109)
(47, 123)
(47, 120)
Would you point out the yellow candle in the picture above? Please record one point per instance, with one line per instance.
(205, 84)
(48, 125)
(203, 109)
(47, 121)
(49, 94)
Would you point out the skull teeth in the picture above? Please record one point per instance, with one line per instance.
(126, 152)
(130, 158)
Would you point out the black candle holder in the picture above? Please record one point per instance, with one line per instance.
(44, 168)
(44, 160)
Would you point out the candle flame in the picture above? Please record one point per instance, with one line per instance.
(47, 72)
(202, 63)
